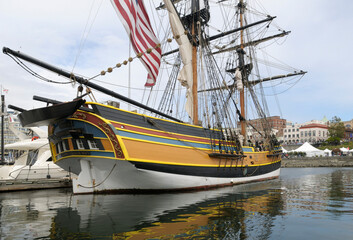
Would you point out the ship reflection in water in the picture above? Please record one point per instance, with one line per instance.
(313, 203)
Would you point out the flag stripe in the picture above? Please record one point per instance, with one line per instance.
(137, 24)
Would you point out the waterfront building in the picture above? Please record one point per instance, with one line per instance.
(348, 134)
(313, 133)
(9, 136)
(348, 124)
(291, 134)
(276, 122)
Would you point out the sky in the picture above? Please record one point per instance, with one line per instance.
(320, 43)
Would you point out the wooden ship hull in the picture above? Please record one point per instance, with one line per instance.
(110, 149)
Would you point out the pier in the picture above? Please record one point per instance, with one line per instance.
(33, 184)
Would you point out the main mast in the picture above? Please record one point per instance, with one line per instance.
(195, 12)
(242, 65)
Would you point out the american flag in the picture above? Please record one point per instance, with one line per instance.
(134, 17)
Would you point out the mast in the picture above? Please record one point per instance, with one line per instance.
(242, 65)
(195, 13)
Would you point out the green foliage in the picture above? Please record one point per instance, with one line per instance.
(336, 130)
(333, 141)
(330, 147)
(296, 154)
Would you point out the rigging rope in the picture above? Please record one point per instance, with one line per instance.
(93, 186)
(32, 72)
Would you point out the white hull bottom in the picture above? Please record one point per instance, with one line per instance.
(111, 175)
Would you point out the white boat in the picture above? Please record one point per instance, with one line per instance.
(31, 157)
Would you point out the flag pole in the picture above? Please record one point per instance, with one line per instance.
(2, 162)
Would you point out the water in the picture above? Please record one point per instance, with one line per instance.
(305, 203)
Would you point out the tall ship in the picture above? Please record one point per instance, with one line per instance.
(200, 132)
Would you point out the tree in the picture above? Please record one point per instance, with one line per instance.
(336, 131)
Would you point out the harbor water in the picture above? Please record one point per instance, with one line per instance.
(304, 203)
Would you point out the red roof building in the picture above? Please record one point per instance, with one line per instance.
(313, 133)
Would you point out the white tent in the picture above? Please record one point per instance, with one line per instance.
(309, 150)
(327, 152)
(284, 150)
(344, 150)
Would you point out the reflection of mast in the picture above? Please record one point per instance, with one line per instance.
(244, 78)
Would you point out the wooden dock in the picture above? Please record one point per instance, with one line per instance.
(33, 184)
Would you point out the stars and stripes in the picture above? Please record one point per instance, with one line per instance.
(135, 19)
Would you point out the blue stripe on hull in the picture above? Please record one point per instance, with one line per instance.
(163, 140)
(183, 143)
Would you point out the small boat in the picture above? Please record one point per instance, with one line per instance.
(204, 139)
(31, 157)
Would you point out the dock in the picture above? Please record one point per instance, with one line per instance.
(33, 184)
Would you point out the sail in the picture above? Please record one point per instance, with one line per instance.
(134, 17)
(185, 49)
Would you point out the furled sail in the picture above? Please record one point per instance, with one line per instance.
(185, 49)
(133, 15)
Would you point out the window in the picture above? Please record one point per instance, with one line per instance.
(63, 146)
(58, 147)
(92, 144)
(32, 157)
(80, 144)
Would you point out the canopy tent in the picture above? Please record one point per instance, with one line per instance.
(284, 150)
(344, 150)
(327, 152)
(309, 150)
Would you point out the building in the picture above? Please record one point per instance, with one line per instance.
(291, 134)
(348, 134)
(255, 126)
(348, 124)
(313, 133)
(9, 136)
